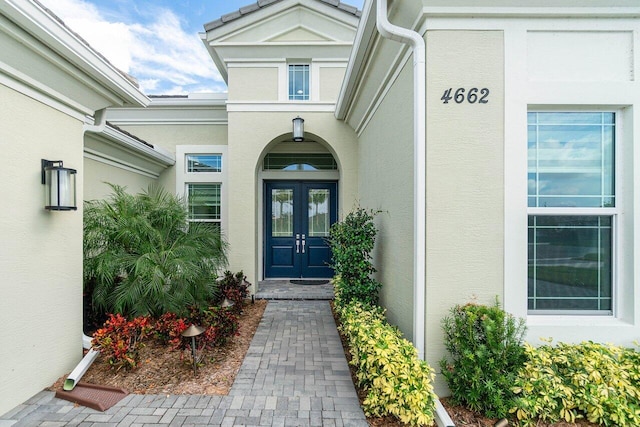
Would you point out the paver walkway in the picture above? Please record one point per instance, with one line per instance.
(294, 374)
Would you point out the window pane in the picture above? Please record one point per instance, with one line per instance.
(319, 213)
(571, 159)
(281, 212)
(204, 163)
(299, 82)
(299, 162)
(203, 201)
(570, 263)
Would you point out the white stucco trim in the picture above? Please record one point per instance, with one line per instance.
(119, 163)
(288, 106)
(21, 83)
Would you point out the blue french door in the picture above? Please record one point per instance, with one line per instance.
(298, 215)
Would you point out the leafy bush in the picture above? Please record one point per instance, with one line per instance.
(565, 382)
(235, 288)
(142, 256)
(351, 242)
(486, 353)
(396, 381)
(120, 340)
(168, 329)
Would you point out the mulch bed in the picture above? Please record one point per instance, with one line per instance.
(163, 371)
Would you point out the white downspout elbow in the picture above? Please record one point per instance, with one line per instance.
(99, 122)
(416, 41)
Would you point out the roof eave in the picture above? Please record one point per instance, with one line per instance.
(44, 26)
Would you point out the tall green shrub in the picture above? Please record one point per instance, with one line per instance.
(351, 242)
(485, 346)
(142, 256)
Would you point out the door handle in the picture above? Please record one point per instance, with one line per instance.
(304, 242)
(298, 244)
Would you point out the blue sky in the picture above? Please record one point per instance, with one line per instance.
(156, 41)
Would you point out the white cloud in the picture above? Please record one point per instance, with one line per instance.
(159, 53)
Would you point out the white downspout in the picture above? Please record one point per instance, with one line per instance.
(415, 40)
(99, 122)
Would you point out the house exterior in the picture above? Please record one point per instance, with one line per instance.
(496, 138)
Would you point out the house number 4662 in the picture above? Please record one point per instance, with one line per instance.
(460, 95)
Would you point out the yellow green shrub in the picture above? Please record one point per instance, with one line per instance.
(594, 381)
(397, 382)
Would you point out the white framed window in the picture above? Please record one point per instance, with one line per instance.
(573, 211)
(299, 82)
(201, 180)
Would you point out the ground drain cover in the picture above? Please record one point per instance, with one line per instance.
(309, 282)
(93, 396)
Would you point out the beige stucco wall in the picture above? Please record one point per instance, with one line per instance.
(465, 182)
(253, 84)
(97, 174)
(385, 182)
(41, 251)
(247, 147)
(330, 82)
(168, 136)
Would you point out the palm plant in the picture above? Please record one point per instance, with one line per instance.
(142, 256)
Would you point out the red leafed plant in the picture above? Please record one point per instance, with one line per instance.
(120, 339)
(168, 329)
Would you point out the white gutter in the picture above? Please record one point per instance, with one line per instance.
(415, 40)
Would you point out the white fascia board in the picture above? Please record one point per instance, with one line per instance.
(34, 19)
(220, 64)
(155, 154)
(364, 37)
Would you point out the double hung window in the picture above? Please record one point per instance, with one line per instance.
(572, 212)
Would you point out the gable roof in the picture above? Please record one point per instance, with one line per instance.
(260, 4)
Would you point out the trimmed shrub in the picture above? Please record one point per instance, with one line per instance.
(485, 355)
(588, 380)
(396, 382)
(351, 242)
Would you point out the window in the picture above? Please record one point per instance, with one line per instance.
(299, 82)
(203, 202)
(299, 162)
(202, 163)
(572, 210)
(201, 182)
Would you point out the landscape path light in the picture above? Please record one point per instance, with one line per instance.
(192, 332)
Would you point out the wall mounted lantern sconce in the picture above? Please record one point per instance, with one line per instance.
(298, 129)
(60, 186)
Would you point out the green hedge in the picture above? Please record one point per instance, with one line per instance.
(396, 381)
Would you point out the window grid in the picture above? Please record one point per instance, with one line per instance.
(299, 82)
(203, 201)
(204, 163)
(566, 288)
